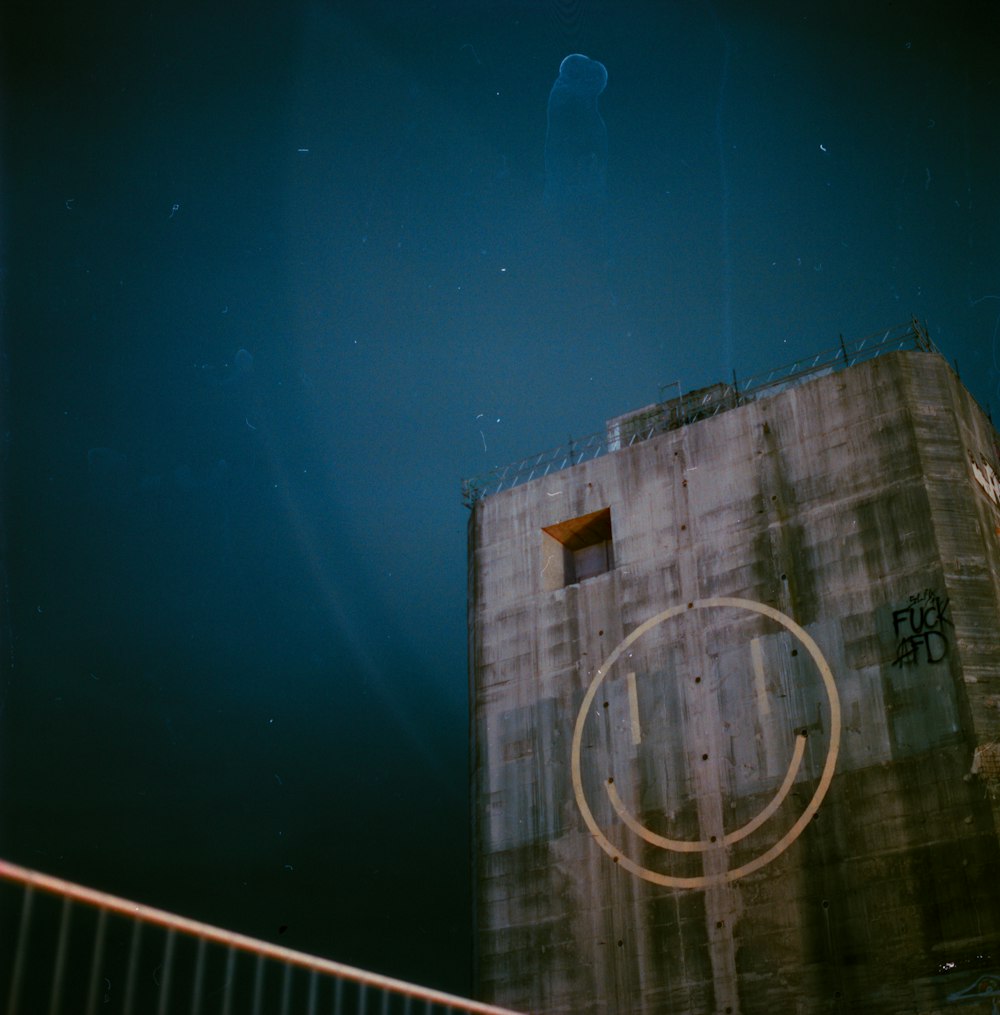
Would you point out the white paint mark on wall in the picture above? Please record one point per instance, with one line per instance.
(633, 709)
(986, 477)
(757, 656)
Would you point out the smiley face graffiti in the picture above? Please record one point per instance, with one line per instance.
(678, 740)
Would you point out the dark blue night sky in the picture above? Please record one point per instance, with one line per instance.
(276, 277)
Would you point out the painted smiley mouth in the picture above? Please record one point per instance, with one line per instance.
(700, 846)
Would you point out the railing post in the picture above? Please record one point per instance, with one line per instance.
(55, 999)
(168, 968)
(920, 334)
(96, 958)
(133, 968)
(20, 956)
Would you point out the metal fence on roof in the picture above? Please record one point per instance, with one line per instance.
(682, 409)
(68, 949)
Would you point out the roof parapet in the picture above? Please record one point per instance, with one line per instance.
(683, 408)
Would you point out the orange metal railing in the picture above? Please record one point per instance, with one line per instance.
(67, 949)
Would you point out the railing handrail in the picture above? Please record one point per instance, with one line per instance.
(242, 942)
(690, 407)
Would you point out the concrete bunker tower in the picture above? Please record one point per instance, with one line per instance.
(735, 693)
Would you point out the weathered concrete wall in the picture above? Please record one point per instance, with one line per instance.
(733, 773)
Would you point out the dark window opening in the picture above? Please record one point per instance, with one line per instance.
(577, 549)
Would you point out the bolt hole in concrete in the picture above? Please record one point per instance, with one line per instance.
(825, 904)
(704, 757)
